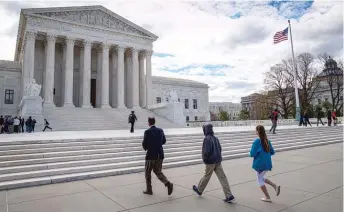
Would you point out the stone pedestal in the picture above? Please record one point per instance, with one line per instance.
(173, 111)
(32, 106)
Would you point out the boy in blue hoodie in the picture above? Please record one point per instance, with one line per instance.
(262, 151)
(211, 155)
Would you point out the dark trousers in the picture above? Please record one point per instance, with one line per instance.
(274, 126)
(319, 119)
(46, 128)
(329, 121)
(301, 123)
(132, 127)
(155, 166)
(16, 128)
(307, 122)
(22, 127)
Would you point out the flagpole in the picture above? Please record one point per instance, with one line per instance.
(297, 100)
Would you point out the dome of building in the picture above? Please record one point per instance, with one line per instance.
(331, 63)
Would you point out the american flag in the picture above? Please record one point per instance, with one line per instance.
(281, 36)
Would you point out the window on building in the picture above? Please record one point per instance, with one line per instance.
(196, 118)
(9, 96)
(194, 103)
(186, 103)
(158, 100)
(187, 118)
(166, 99)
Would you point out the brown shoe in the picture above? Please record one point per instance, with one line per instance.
(148, 192)
(169, 188)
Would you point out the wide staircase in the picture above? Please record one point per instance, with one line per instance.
(76, 119)
(29, 163)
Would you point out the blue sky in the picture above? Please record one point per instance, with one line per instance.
(226, 44)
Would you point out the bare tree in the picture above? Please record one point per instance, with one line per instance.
(279, 82)
(306, 77)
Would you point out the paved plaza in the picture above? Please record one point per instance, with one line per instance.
(311, 180)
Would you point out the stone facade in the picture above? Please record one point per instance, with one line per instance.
(233, 109)
(194, 96)
(88, 57)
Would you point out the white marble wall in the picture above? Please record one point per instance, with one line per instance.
(185, 92)
(10, 78)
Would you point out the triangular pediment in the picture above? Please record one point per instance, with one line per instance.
(96, 16)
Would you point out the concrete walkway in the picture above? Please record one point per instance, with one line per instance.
(311, 180)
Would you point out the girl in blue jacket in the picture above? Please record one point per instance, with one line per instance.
(262, 151)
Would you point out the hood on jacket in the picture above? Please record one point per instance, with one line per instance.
(208, 129)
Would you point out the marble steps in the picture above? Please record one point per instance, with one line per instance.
(118, 171)
(128, 161)
(99, 119)
(11, 151)
(48, 170)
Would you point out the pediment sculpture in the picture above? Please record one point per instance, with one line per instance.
(32, 89)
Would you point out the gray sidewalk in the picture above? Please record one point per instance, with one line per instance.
(311, 180)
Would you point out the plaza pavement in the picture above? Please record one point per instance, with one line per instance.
(311, 180)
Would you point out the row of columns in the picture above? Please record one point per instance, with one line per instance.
(140, 93)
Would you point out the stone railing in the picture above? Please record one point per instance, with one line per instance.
(172, 111)
(256, 122)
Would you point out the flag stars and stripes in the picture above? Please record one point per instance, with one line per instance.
(281, 36)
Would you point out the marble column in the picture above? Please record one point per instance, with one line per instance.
(99, 76)
(128, 78)
(136, 82)
(105, 77)
(29, 57)
(86, 75)
(113, 71)
(120, 77)
(142, 79)
(81, 70)
(49, 71)
(149, 78)
(68, 76)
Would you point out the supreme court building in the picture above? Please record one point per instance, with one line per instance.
(83, 57)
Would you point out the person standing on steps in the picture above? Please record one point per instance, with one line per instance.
(329, 118)
(132, 118)
(2, 121)
(33, 125)
(212, 158)
(306, 118)
(274, 121)
(16, 124)
(319, 114)
(22, 123)
(262, 151)
(334, 117)
(152, 143)
(46, 123)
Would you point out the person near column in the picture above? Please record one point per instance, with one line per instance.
(1, 123)
(153, 141)
(306, 118)
(22, 123)
(46, 125)
(132, 118)
(16, 124)
(301, 123)
(262, 151)
(212, 158)
(334, 117)
(274, 121)
(329, 118)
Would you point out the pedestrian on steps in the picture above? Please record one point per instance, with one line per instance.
(329, 118)
(153, 141)
(132, 118)
(319, 114)
(46, 123)
(274, 121)
(212, 158)
(262, 151)
(334, 117)
(306, 118)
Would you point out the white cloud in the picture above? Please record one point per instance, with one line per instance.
(202, 32)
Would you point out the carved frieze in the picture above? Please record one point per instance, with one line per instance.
(94, 18)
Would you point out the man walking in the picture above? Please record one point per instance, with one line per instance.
(274, 121)
(153, 140)
(319, 113)
(46, 123)
(132, 118)
(211, 155)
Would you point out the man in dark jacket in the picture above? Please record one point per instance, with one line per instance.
(153, 140)
(132, 118)
(211, 155)
(329, 118)
(274, 121)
